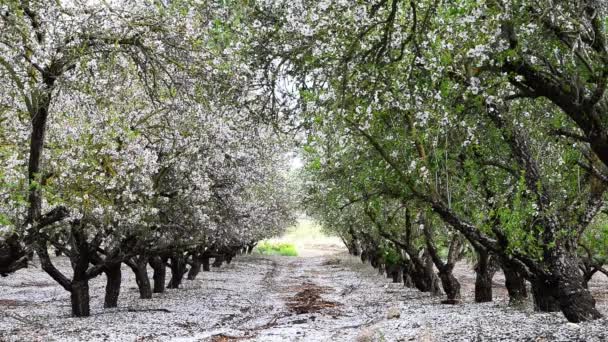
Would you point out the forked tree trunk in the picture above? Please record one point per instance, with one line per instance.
(113, 280)
(160, 273)
(178, 269)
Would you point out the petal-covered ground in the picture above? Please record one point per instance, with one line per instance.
(256, 298)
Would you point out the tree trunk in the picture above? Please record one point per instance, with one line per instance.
(450, 285)
(79, 298)
(218, 261)
(545, 295)
(205, 262)
(575, 301)
(394, 272)
(113, 280)
(515, 284)
(139, 267)
(195, 268)
(430, 275)
(178, 269)
(407, 279)
(160, 273)
(80, 281)
(484, 272)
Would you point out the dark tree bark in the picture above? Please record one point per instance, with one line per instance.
(205, 262)
(250, 247)
(394, 272)
(13, 256)
(219, 259)
(178, 269)
(429, 273)
(113, 279)
(407, 279)
(450, 284)
(160, 273)
(195, 268)
(576, 302)
(139, 266)
(515, 284)
(545, 295)
(79, 298)
(80, 263)
(484, 272)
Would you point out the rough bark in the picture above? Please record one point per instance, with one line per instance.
(407, 279)
(451, 286)
(515, 284)
(79, 298)
(430, 275)
(394, 272)
(178, 269)
(545, 295)
(484, 272)
(195, 268)
(575, 301)
(160, 274)
(80, 264)
(113, 280)
(139, 266)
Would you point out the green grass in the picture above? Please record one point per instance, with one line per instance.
(277, 248)
(303, 238)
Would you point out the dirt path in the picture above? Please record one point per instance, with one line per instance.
(320, 298)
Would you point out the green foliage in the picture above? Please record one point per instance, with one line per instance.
(277, 248)
(391, 256)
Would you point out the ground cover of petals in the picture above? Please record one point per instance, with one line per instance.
(324, 295)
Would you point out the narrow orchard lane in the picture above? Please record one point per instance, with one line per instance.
(336, 298)
(318, 298)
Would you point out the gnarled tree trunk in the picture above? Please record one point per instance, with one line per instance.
(139, 266)
(178, 269)
(113, 280)
(160, 273)
(575, 301)
(544, 293)
(195, 267)
(515, 283)
(484, 272)
(79, 297)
